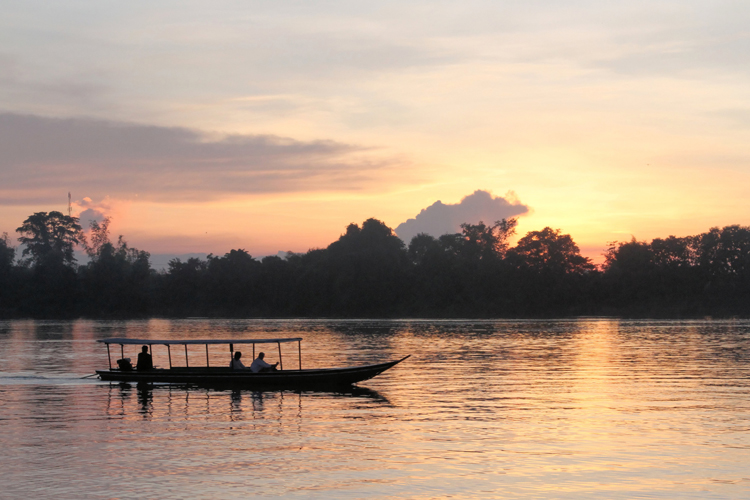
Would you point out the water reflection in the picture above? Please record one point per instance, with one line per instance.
(145, 399)
(148, 401)
(584, 408)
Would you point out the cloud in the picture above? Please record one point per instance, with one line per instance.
(90, 215)
(89, 211)
(42, 156)
(440, 218)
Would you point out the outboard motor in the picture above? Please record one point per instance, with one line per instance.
(125, 365)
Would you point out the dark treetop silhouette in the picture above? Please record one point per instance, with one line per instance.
(370, 272)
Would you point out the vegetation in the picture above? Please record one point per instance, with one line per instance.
(370, 272)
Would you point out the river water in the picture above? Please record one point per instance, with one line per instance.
(575, 409)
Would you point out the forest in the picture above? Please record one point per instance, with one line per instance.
(370, 273)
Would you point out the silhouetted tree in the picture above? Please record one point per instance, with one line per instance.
(551, 251)
(724, 263)
(98, 237)
(725, 252)
(365, 271)
(423, 248)
(550, 276)
(183, 290)
(369, 272)
(50, 237)
(486, 242)
(9, 289)
(51, 288)
(629, 269)
(628, 257)
(117, 278)
(660, 278)
(231, 283)
(276, 283)
(463, 273)
(674, 253)
(438, 282)
(7, 255)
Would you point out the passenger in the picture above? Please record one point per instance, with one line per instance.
(145, 362)
(261, 366)
(236, 364)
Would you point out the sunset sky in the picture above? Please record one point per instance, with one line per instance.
(268, 126)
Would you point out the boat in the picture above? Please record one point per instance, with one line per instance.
(221, 376)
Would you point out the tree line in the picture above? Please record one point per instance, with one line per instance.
(370, 272)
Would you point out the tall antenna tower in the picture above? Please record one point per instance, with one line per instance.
(70, 207)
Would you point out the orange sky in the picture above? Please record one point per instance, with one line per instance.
(271, 127)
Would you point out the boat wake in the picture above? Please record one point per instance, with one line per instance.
(34, 378)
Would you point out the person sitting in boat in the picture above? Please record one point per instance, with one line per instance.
(145, 362)
(261, 366)
(236, 364)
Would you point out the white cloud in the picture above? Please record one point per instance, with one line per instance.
(440, 218)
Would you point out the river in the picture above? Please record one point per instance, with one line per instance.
(570, 409)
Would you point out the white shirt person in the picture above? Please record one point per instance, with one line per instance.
(236, 364)
(261, 366)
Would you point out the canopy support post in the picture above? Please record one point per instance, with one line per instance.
(187, 365)
(299, 351)
(207, 365)
(281, 365)
(169, 352)
(122, 351)
(109, 358)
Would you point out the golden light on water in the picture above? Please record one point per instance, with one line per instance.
(564, 409)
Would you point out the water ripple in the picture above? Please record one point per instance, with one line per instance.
(568, 409)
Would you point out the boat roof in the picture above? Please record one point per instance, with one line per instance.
(124, 341)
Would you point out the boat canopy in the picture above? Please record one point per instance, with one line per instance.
(123, 341)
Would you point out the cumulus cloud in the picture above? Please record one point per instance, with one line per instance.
(42, 156)
(90, 215)
(441, 218)
(90, 211)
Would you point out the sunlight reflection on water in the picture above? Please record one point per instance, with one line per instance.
(586, 408)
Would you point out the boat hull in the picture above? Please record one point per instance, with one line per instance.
(219, 377)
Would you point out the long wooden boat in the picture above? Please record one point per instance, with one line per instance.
(217, 376)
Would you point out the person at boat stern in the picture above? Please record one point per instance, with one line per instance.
(145, 362)
(236, 364)
(261, 366)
